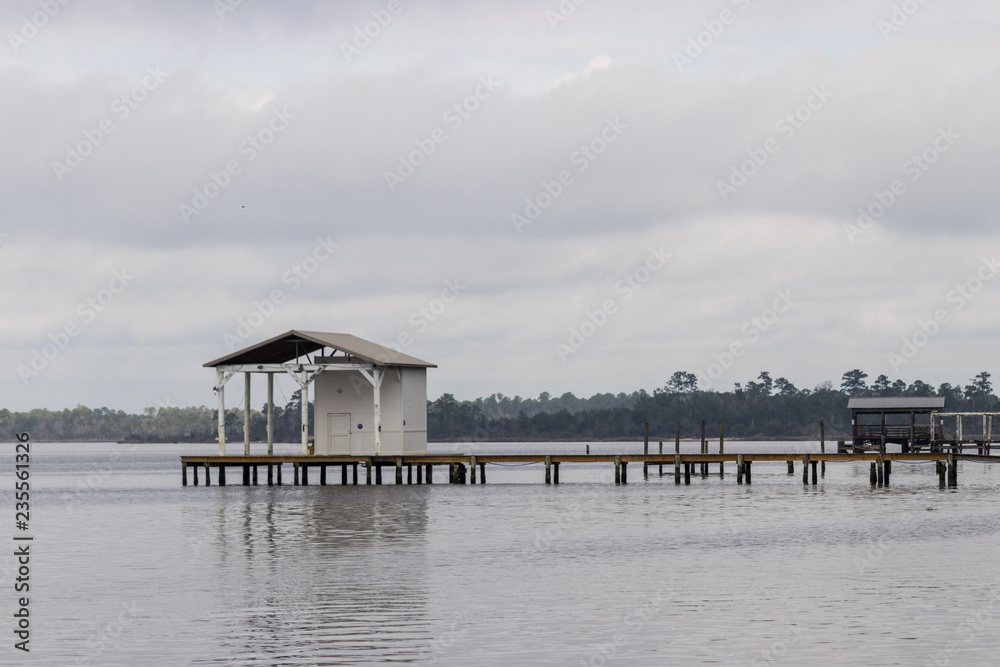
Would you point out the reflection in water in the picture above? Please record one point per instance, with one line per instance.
(339, 567)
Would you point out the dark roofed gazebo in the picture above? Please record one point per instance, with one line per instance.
(896, 421)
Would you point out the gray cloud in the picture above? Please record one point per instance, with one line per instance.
(345, 123)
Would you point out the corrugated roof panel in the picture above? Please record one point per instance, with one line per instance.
(897, 403)
(291, 345)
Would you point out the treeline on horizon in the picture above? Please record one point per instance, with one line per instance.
(764, 408)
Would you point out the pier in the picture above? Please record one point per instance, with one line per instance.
(471, 468)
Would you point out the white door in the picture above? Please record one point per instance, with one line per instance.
(339, 430)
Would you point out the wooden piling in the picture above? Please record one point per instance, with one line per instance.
(677, 439)
(184, 474)
(879, 470)
(722, 447)
(548, 469)
(624, 472)
(791, 468)
(409, 474)
(430, 473)
(270, 474)
(354, 470)
(645, 449)
(873, 475)
(246, 475)
(739, 468)
(278, 467)
(618, 470)
(942, 470)
(304, 472)
(194, 471)
(805, 470)
(687, 473)
(208, 475)
(815, 478)
(677, 468)
(888, 470)
(322, 474)
(482, 473)
(399, 471)
(749, 468)
(472, 465)
(822, 443)
(343, 474)
(661, 462)
(555, 472)
(952, 471)
(378, 474)
(255, 475)
(368, 473)
(222, 476)
(420, 473)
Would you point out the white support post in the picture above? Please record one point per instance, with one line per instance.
(270, 414)
(377, 393)
(246, 415)
(303, 377)
(220, 388)
(305, 415)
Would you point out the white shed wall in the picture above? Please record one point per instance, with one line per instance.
(346, 399)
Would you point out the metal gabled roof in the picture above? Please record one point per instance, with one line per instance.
(897, 403)
(291, 345)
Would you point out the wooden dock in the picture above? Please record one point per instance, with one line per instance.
(419, 469)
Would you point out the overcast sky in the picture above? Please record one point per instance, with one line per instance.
(579, 198)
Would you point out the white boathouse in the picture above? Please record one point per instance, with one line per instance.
(369, 399)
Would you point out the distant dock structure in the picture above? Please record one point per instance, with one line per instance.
(915, 424)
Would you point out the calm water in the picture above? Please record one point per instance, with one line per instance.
(129, 568)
